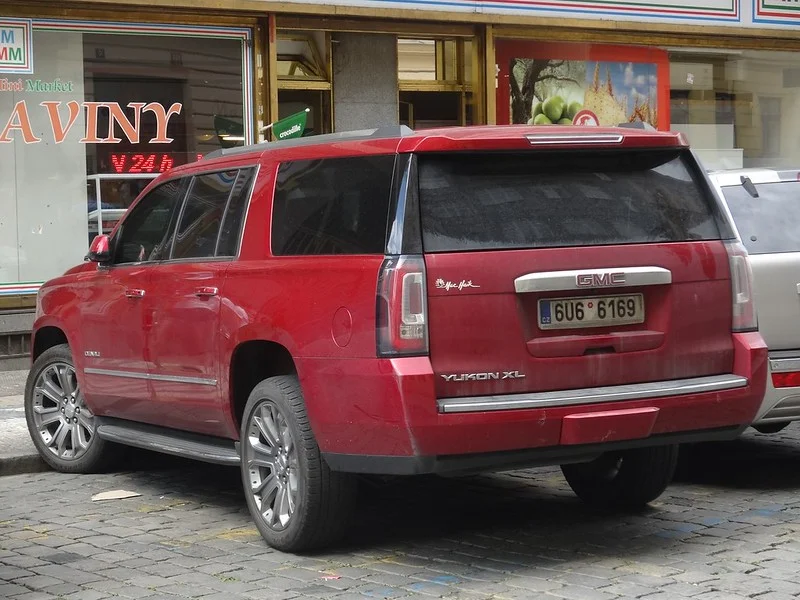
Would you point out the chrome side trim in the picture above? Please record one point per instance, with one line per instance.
(615, 393)
(150, 376)
(784, 365)
(557, 281)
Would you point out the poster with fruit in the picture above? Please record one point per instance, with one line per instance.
(584, 85)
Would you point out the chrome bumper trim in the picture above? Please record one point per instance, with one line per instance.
(616, 393)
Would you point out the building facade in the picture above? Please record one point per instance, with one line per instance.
(95, 101)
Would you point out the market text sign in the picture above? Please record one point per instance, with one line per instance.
(16, 46)
(62, 116)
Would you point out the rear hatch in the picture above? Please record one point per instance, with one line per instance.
(555, 269)
(766, 211)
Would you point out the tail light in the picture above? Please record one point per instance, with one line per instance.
(785, 380)
(402, 312)
(744, 309)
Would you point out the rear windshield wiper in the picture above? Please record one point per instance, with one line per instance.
(748, 185)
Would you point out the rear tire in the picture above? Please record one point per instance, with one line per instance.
(295, 499)
(623, 480)
(62, 427)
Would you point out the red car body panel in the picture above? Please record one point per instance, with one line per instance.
(396, 414)
(322, 310)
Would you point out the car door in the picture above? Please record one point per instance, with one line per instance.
(185, 300)
(114, 316)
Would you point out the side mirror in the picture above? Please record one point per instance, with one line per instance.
(100, 250)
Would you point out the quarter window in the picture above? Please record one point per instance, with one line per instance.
(332, 206)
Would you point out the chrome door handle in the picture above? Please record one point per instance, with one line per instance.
(206, 291)
(134, 293)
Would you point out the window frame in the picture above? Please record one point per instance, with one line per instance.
(255, 168)
(178, 214)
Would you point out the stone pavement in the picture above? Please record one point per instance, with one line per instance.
(728, 529)
(17, 452)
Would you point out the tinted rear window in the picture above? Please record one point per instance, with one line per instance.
(769, 223)
(541, 200)
(332, 206)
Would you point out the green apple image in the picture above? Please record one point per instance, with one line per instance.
(573, 109)
(553, 108)
(530, 121)
(542, 120)
(537, 110)
(565, 121)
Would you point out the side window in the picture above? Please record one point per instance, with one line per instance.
(232, 223)
(144, 235)
(200, 220)
(332, 206)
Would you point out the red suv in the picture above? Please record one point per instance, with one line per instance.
(393, 302)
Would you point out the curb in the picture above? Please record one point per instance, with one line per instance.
(21, 465)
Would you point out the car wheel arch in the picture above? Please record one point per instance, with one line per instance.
(251, 362)
(47, 337)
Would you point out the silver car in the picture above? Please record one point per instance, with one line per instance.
(765, 206)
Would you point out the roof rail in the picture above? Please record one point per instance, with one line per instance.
(377, 133)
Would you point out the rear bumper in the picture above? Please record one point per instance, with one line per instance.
(382, 416)
(780, 404)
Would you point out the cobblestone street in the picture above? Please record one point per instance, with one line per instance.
(727, 529)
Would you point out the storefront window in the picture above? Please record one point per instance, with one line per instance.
(738, 108)
(434, 78)
(304, 78)
(105, 110)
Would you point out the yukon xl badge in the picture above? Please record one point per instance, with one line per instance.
(483, 376)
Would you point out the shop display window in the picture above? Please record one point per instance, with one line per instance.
(105, 110)
(738, 108)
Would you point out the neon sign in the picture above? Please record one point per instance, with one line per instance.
(149, 162)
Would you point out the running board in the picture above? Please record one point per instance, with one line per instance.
(169, 441)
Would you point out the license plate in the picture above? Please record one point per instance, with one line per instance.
(595, 311)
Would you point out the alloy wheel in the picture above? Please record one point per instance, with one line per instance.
(270, 456)
(65, 425)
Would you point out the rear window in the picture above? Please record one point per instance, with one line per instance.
(544, 200)
(770, 222)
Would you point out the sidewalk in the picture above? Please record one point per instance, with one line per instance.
(17, 452)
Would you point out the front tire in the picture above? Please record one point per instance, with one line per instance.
(295, 499)
(62, 427)
(623, 480)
